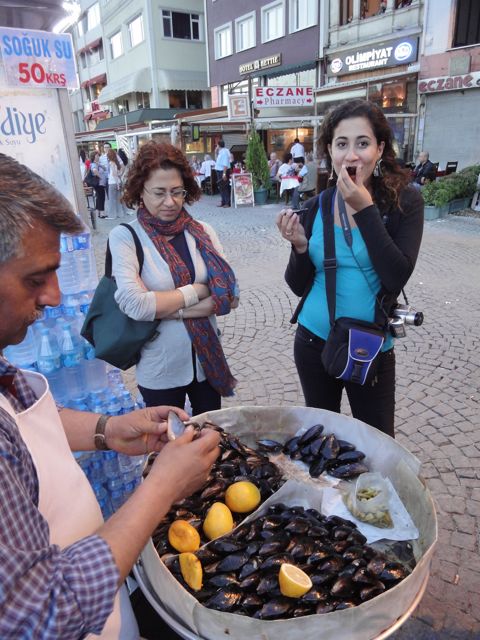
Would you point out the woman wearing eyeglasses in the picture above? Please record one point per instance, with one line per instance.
(185, 282)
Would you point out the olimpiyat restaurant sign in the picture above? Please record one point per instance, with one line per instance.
(387, 54)
(263, 63)
(38, 59)
(450, 83)
(283, 96)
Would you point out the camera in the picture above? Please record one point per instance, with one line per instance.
(403, 314)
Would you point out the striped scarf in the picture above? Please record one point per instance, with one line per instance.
(221, 282)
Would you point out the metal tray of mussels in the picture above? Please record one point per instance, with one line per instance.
(374, 618)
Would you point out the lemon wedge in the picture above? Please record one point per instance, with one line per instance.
(191, 569)
(294, 582)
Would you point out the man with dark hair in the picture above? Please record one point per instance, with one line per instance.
(425, 170)
(61, 567)
(222, 167)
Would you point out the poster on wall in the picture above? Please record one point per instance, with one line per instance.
(242, 189)
(31, 132)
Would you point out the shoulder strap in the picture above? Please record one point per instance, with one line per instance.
(138, 249)
(329, 258)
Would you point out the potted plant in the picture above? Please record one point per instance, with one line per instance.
(451, 193)
(257, 164)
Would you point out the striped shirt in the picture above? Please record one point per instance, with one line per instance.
(45, 592)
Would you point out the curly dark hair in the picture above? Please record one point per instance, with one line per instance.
(158, 155)
(387, 188)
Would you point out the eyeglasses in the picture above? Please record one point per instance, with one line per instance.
(161, 194)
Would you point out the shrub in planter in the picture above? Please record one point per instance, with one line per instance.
(256, 162)
(451, 187)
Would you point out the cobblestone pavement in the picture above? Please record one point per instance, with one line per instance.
(438, 383)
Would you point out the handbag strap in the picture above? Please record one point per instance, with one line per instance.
(138, 249)
(329, 258)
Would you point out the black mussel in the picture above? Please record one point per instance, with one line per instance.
(227, 470)
(333, 564)
(305, 451)
(223, 580)
(268, 585)
(345, 446)
(320, 555)
(323, 578)
(315, 595)
(362, 576)
(291, 446)
(172, 563)
(349, 470)
(345, 604)
(254, 532)
(271, 547)
(302, 549)
(298, 524)
(241, 532)
(248, 568)
(340, 546)
(206, 555)
(275, 608)
(251, 602)
(313, 513)
(369, 552)
(311, 434)
(357, 538)
(372, 590)
(232, 562)
(302, 610)
(273, 521)
(316, 445)
(404, 552)
(267, 534)
(376, 565)
(274, 562)
(393, 571)
(348, 571)
(319, 531)
(270, 445)
(225, 600)
(277, 508)
(330, 447)
(205, 593)
(341, 532)
(343, 587)
(296, 455)
(235, 444)
(215, 490)
(351, 456)
(324, 607)
(352, 553)
(252, 548)
(317, 467)
(250, 582)
(211, 569)
(223, 547)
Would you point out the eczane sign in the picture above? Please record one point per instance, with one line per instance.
(450, 83)
(283, 97)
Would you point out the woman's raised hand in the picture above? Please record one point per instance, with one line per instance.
(353, 188)
(288, 224)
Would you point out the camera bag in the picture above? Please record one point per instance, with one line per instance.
(352, 346)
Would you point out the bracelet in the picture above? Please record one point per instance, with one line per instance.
(99, 439)
(180, 314)
(190, 296)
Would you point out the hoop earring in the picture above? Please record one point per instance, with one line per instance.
(377, 171)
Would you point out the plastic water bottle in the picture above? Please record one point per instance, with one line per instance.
(128, 403)
(96, 471)
(51, 314)
(139, 402)
(117, 498)
(23, 355)
(79, 404)
(95, 370)
(71, 358)
(128, 489)
(110, 464)
(103, 499)
(68, 274)
(114, 375)
(114, 407)
(85, 260)
(126, 463)
(49, 364)
(85, 300)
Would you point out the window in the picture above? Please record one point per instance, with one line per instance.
(83, 58)
(185, 99)
(82, 25)
(245, 32)
(346, 11)
(93, 16)
(135, 31)
(303, 14)
(116, 45)
(223, 41)
(467, 23)
(185, 26)
(273, 21)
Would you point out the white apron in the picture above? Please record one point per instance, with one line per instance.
(66, 499)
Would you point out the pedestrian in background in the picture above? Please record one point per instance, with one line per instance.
(308, 185)
(185, 281)
(223, 169)
(425, 171)
(385, 216)
(298, 151)
(97, 170)
(115, 171)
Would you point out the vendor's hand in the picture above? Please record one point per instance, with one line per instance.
(142, 431)
(353, 188)
(289, 226)
(185, 463)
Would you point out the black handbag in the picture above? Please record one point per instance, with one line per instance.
(117, 338)
(91, 180)
(352, 347)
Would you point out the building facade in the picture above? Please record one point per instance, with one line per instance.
(449, 83)
(139, 63)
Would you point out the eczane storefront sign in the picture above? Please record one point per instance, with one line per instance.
(283, 96)
(450, 83)
(386, 54)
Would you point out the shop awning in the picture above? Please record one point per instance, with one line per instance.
(140, 81)
(91, 46)
(180, 79)
(100, 79)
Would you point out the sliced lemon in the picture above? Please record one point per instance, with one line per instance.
(294, 582)
(242, 496)
(191, 569)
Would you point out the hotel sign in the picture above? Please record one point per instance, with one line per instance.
(387, 54)
(263, 63)
(450, 83)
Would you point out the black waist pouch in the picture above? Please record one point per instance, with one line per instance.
(351, 350)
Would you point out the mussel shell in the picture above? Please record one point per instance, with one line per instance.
(315, 595)
(393, 572)
(317, 467)
(311, 434)
(250, 583)
(353, 553)
(324, 607)
(298, 525)
(248, 568)
(345, 446)
(275, 608)
(274, 562)
(330, 447)
(232, 562)
(268, 585)
(333, 564)
(351, 456)
(372, 590)
(349, 470)
(376, 565)
(343, 587)
(291, 445)
(225, 599)
(270, 445)
(225, 547)
(223, 580)
(273, 521)
(251, 602)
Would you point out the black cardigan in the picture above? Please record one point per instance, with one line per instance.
(392, 241)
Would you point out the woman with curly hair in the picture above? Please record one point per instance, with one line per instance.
(385, 224)
(185, 282)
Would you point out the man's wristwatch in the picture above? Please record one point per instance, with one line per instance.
(99, 438)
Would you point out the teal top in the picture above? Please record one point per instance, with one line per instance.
(355, 298)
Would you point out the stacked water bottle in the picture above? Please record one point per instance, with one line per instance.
(54, 347)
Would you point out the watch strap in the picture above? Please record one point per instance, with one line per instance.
(99, 438)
